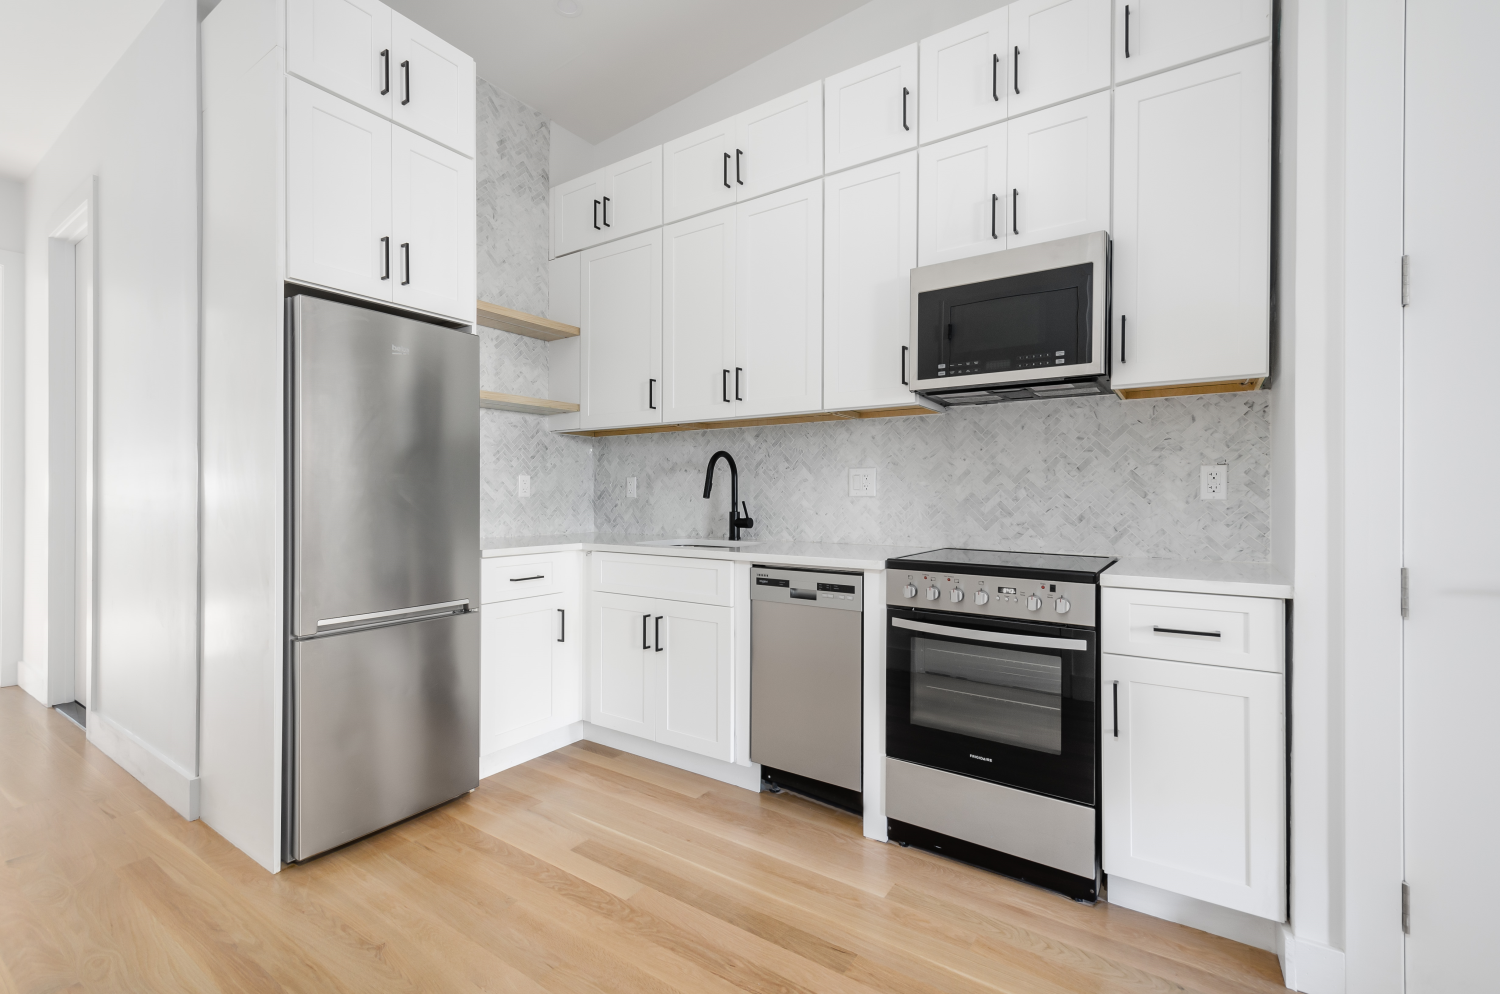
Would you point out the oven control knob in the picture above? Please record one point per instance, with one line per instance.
(1063, 605)
(981, 598)
(957, 595)
(933, 593)
(1033, 603)
(911, 590)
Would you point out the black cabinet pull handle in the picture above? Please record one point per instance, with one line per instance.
(385, 56)
(645, 629)
(385, 242)
(904, 350)
(1127, 31)
(406, 262)
(737, 371)
(606, 212)
(520, 579)
(737, 153)
(905, 94)
(562, 625)
(1117, 709)
(725, 384)
(995, 78)
(596, 216)
(726, 172)
(994, 204)
(1186, 631)
(651, 394)
(658, 633)
(1122, 338)
(406, 76)
(1015, 227)
(1015, 65)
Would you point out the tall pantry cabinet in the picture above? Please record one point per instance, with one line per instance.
(338, 157)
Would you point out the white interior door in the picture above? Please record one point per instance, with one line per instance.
(632, 191)
(1152, 35)
(779, 143)
(623, 693)
(693, 662)
(965, 201)
(964, 71)
(1192, 213)
(621, 332)
(778, 330)
(1059, 171)
(343, 46)
(432, 86)
(338, 193)
(698, 266)
(697, 171)
(870, 111)
(1059, 50)
(869, 250)
(432, 224)
(1452, 663)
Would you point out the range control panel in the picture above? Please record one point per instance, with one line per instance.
(993, 596)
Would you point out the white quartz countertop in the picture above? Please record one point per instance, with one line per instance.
(823, 555)
(1188, 576)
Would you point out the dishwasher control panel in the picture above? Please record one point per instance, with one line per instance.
(840, 591)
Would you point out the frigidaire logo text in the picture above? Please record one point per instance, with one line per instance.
(985, 758)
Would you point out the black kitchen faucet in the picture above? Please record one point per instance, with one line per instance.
(736, 520)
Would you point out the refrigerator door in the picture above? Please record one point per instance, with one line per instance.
(385, 465)
(385, 725)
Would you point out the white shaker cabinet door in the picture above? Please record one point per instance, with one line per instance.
(432, 86)
(620, 316)
(779, 302)
(698, 171)
(343, 46)
(779, 143)
(698, 273)
(1152, 35)
(965, 200)
(1059, 50)
(1192, 213)
(622, 688)
(577, 213)
(631, 194)
(869, 250)
(870, 111)
(1194, 781)
(1059, 171)
(694, 665)
(432, 225)
(964, 76)
(523, 675)
(338, 194)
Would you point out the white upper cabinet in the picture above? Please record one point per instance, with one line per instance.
(620, 312)
(1192, 212)
(432, 86)
(631, 194)
(779, 302)
(697, 172)
(870, 111)
(343, 46)
(1059, 50)
(577, 206)
(339, 194)
(965, 200)
(870, 248)
(698, 315)
(1059, 171)
(1151, 35)
(432, 226)
(965, 76)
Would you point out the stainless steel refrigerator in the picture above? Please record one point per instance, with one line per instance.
(382, 662)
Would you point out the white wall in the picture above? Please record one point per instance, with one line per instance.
(876, 28)
(137, 136)
(12, 406)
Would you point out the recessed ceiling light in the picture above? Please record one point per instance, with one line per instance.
(567, 8)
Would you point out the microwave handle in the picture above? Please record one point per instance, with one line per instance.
(1000, 638)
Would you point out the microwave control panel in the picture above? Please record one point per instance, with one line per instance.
(1051, 601)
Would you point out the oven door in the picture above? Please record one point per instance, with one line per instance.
(1005, 701)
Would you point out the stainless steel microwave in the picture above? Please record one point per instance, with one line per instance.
(1024, 324)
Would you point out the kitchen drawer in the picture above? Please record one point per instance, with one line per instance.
(1243, 632)
(699, 581)
(510, 578)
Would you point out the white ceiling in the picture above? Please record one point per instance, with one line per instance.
(53, 54)
(616, 62)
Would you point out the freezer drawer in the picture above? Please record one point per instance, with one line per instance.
(385, 724)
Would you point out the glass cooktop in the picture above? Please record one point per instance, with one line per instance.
(1003, 561)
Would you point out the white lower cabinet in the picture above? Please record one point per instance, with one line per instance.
(1194, 781)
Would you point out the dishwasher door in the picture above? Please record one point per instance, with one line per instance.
(806, 674)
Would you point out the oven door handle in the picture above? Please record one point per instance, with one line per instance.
(977, 635)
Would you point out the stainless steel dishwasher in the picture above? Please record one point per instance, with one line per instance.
(806, 682)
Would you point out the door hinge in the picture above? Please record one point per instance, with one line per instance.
(1405, 280)
(1405, 909)
(1405, 594)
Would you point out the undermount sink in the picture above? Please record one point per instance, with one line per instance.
(697, 543)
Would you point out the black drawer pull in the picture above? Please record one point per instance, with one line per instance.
(562, 625)
(645, 631)
(1186, 631)
(1117, 709)
(385, 57)
(658, 632)
(905, 93)
(518, 579)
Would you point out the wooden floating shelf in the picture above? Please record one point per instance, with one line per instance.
(1192, 389)
(520, 323)
(785, 419)
(523, 405)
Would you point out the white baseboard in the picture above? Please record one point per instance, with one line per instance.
(161, 776)
(1237, 925)
(1310, 967)
(747, 777)
(525, 752)
(33, 680)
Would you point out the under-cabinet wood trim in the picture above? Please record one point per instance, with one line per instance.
(783, 419)
(1191, 389)
(524, 405)
(520, 323)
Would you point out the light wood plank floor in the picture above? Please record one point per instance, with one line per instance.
(584, 871)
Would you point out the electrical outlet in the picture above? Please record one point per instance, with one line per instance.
(1213, 482)
(862, 483)
(630, 488)
(523, 486)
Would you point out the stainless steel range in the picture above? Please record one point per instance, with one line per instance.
(992, 711)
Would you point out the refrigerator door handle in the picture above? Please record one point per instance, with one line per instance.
(400, 613)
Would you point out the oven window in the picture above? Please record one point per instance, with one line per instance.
(988, 692)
